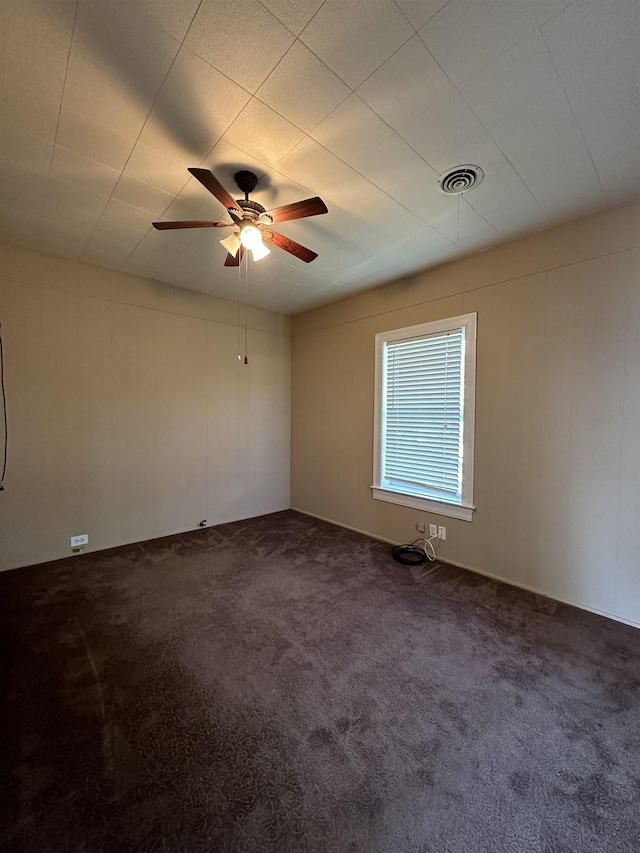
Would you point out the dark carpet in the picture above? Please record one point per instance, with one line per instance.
(281, 684)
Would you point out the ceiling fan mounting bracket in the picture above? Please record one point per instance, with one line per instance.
(246, 181)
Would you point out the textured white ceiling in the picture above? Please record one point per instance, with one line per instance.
(105, 103)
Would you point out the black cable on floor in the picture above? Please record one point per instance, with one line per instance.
(409, 555)
(414, 555)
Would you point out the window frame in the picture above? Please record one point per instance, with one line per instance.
(465, 508)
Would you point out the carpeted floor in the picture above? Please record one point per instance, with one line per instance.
(283, 685)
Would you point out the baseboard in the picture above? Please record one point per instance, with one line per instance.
(613, 616)
(346, 526)
(86, 551)
(608, 615)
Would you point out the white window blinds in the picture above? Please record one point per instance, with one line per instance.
(422, 419)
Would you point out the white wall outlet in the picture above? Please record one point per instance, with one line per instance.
(80, 541)
(420, 526)
(442, 532)
(433, 530)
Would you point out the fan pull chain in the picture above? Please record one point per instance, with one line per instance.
(246, 307)
(458, 231)
(239, 300)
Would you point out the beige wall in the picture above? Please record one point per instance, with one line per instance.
(557, 468)
(130, 416)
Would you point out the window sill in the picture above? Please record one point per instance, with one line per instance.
(425, 504)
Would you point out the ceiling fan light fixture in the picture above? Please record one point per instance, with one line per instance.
(232, 243)
(250, 237)
(260, 251)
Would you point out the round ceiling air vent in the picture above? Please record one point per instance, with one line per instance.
(461, 179)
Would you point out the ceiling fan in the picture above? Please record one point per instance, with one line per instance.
(250, 218)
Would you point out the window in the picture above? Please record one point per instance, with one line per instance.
(424, 413)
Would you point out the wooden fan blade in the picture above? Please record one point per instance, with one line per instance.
(298, 210)
(230, 261)
(290, 246)
(211, 183)
(195, 223)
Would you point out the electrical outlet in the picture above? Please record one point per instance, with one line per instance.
(442, 532)
(80, 541)
(433, 530)
(420, 526)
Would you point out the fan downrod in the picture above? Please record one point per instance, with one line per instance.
(246, 181)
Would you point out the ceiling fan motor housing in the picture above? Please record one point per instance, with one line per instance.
(251, 209)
